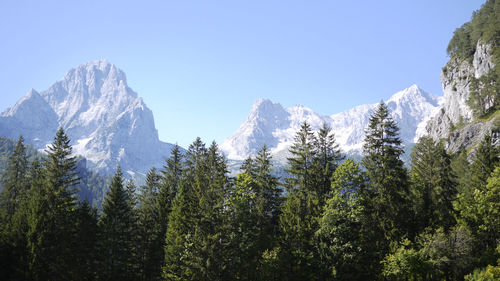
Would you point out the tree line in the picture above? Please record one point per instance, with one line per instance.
(330, 218)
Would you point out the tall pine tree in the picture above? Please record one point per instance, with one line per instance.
(433, 185)
(51, 224)
(116, 224)
(387, 175)
(14, 182)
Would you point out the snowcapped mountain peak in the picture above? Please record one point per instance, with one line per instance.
(410, 108)
(105, 119)
(412, 93)
(263, 107)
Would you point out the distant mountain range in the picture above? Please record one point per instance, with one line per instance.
(109, 124)
(271, 124)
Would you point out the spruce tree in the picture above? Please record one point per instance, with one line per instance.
(345, 232)
(433, 184)
(149, 239)
(37, 210)
(14, 182)
(387, 175)
(243, 230)
(300, 212)
(300, 163)
(470, 203)
(248, 166)
(169, 185)
(326, 159)
(85, 248)
(183, 260)
(268, 200)
(13, 211)
(116, 233)
(213, 190)
(51, 219)
(484, 162)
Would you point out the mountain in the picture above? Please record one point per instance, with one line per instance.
(271, 124)
(105, 119)
(455, 122)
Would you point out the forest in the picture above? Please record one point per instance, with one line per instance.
(329, 218)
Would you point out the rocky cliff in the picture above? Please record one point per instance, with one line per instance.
(455, 121)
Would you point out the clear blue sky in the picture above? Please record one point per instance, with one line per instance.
(200, 65)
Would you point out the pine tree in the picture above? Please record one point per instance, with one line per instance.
(169, 185)
(268, 200)
(182, 259)
(388, 177)
(14, 182)
(37, 206)
(345, 233)
(243, 230)
(301, 211)
(433, 184)
(210, 235)
(300, 164)
(484, 162)
(326, 159)
(13, 212)
(470, 203)
(51, 218)
(149, 242)
(85, 249)
(248, 166)
(116, 233)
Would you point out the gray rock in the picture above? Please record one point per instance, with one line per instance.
(456, 78)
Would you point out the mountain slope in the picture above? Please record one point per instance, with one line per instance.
(269, 123)
(105, 119)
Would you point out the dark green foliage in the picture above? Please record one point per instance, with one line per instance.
(433, 184)
(13, 203)
(14, 182)
(253, 218)
(301, 211)
(179, 264)
(484, 25)
(346, 232)
(327, 157)
(51, 213)
(243, 230)
(117, 227)
(85, 251)
(149, 236)
(387, 175)
(466, 204)
(300, 164)
(194, 246)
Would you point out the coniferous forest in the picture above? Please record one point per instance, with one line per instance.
(327, 217)
(330, 218)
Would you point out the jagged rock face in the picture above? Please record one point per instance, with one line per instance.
(31, 117)
(455, 79)
(271, 124)
(106, 120)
